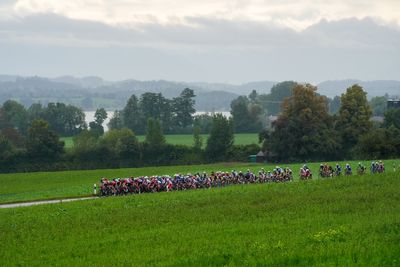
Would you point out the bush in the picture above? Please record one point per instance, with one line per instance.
(242, 152)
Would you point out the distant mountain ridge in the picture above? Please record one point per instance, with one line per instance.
(373, 88)
(93, 92)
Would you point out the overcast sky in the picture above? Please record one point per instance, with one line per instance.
(208, 40)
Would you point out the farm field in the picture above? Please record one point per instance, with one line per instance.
(19, 187)
(187, 139)
(335, 222)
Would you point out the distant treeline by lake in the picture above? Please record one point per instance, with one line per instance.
(89, 116)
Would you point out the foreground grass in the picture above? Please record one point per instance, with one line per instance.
(335, 222)
(18, 187)
(187, 139)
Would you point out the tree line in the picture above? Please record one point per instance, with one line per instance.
(306, 131)
(38, 146)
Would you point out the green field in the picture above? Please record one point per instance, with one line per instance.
(187, 139)
(47, 185)
(335, 222)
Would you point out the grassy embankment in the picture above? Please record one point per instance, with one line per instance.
(187, 139)
(335, 222)
(18, 187)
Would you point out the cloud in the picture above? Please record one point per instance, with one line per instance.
(296, 14)
(200, 48)
(198, 33)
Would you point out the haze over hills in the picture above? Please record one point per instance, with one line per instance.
(92, 92)
(373, 88)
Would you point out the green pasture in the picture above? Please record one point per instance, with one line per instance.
(344, 221)
(187, 139)
(18, 187)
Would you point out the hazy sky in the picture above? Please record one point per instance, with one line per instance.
(214, 41)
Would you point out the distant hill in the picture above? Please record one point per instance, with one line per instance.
(90, 93)
(262, 87)
(93, 92)
(373, 88)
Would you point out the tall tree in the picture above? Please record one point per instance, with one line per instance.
(304, 129)
(253, 96)
(354, 116)
(14, 115)
(132, 116)
(154, 135)
(43, 144)
(116, 122)
(97, 125)
(183, 107)
(221, 138)
(100, 116)
(151, 105)
(247, 116)
(197, 140)
(240, 114)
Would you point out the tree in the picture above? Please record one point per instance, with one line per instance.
(378, 105)
(246, 115)
(151, 105)
(116, 122)
(379, 143)
(97, 125)
(204, 122)
(36, 111)
(123, 143)
(6, 149)
(17, 140)
(354, 116)
(272, 102)
(253, 96)
(197, 140)
(14, 115)
(100, 116)
(334, 105)
(154, 135)
(304, 129)
(132, 116)
(43, 144)
(221, 138)
(86, 146)
(66, 120)
(183, 107)
(392, 118)
(240, 114)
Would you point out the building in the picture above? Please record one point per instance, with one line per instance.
(393, 102)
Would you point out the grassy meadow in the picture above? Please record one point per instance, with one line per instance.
(325, 222)
(17, 187)
(187, 139)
